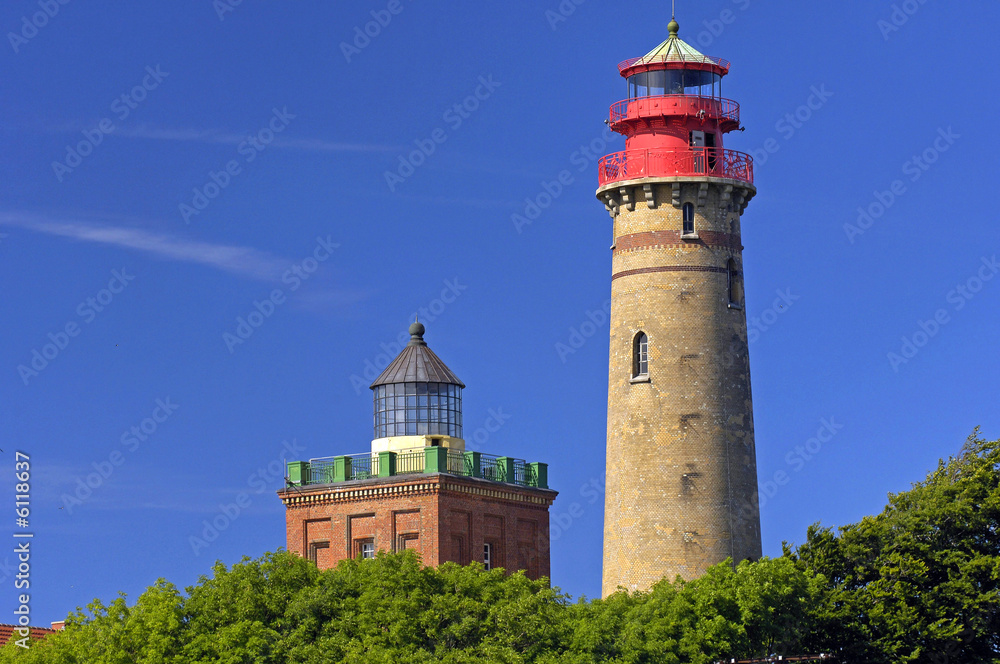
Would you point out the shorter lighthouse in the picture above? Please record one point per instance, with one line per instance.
(418, 487)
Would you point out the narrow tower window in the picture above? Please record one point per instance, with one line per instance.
(640, 355)
(688, 219)
(734, 282)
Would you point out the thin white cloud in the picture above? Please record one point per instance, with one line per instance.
(217, 136)
(241, 261)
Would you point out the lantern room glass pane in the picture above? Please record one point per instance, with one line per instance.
(638, 84)
(427, 409)
(675, 82)
(656, 81)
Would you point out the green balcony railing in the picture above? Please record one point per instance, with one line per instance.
(332, 470)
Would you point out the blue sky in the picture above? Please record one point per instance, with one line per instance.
(277, 139)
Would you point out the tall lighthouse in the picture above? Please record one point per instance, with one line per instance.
(681, 463)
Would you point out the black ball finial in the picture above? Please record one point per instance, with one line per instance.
(417, 334)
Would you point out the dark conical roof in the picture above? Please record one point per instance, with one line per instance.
(417, 364)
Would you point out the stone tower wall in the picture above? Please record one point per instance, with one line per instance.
(681, 464)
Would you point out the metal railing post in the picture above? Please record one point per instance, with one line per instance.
(505, 466)
(435, 459)
(539, 475)
(386, 464)
(473, 467)
(341, 469)
(298, 473)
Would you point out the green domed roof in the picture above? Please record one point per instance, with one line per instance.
(674, 49)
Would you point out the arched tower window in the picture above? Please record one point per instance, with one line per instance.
(640, 355)
(734, 283)
(688, 219)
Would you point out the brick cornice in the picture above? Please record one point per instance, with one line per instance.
(501, 492)
(382, 488)
(657, 239)
(329, 494)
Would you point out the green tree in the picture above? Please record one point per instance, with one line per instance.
(919, 582)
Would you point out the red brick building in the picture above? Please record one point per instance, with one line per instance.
(419, 488)
(17, 633)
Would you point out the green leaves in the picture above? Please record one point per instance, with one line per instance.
(919, 582)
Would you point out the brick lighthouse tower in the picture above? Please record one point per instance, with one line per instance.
(681, 464)
(419, 487)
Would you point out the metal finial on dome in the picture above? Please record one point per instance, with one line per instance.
(417, 330)
(674, 27)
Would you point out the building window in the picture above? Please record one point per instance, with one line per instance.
(488, 556)
(314, 550)
(366, 549)
(408, 541)
(688, 219)
(640, 355)
(734, 283)
(458, 550)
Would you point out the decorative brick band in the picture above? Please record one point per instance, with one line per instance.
(669, 268)
(502, 495)
(654, 239)
(297, 497)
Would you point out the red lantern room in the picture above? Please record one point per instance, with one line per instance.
(675, 117)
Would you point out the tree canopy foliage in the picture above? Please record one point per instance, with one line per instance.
(917, 583)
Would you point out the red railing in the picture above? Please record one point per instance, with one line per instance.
(669, 162)
(644, 107)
